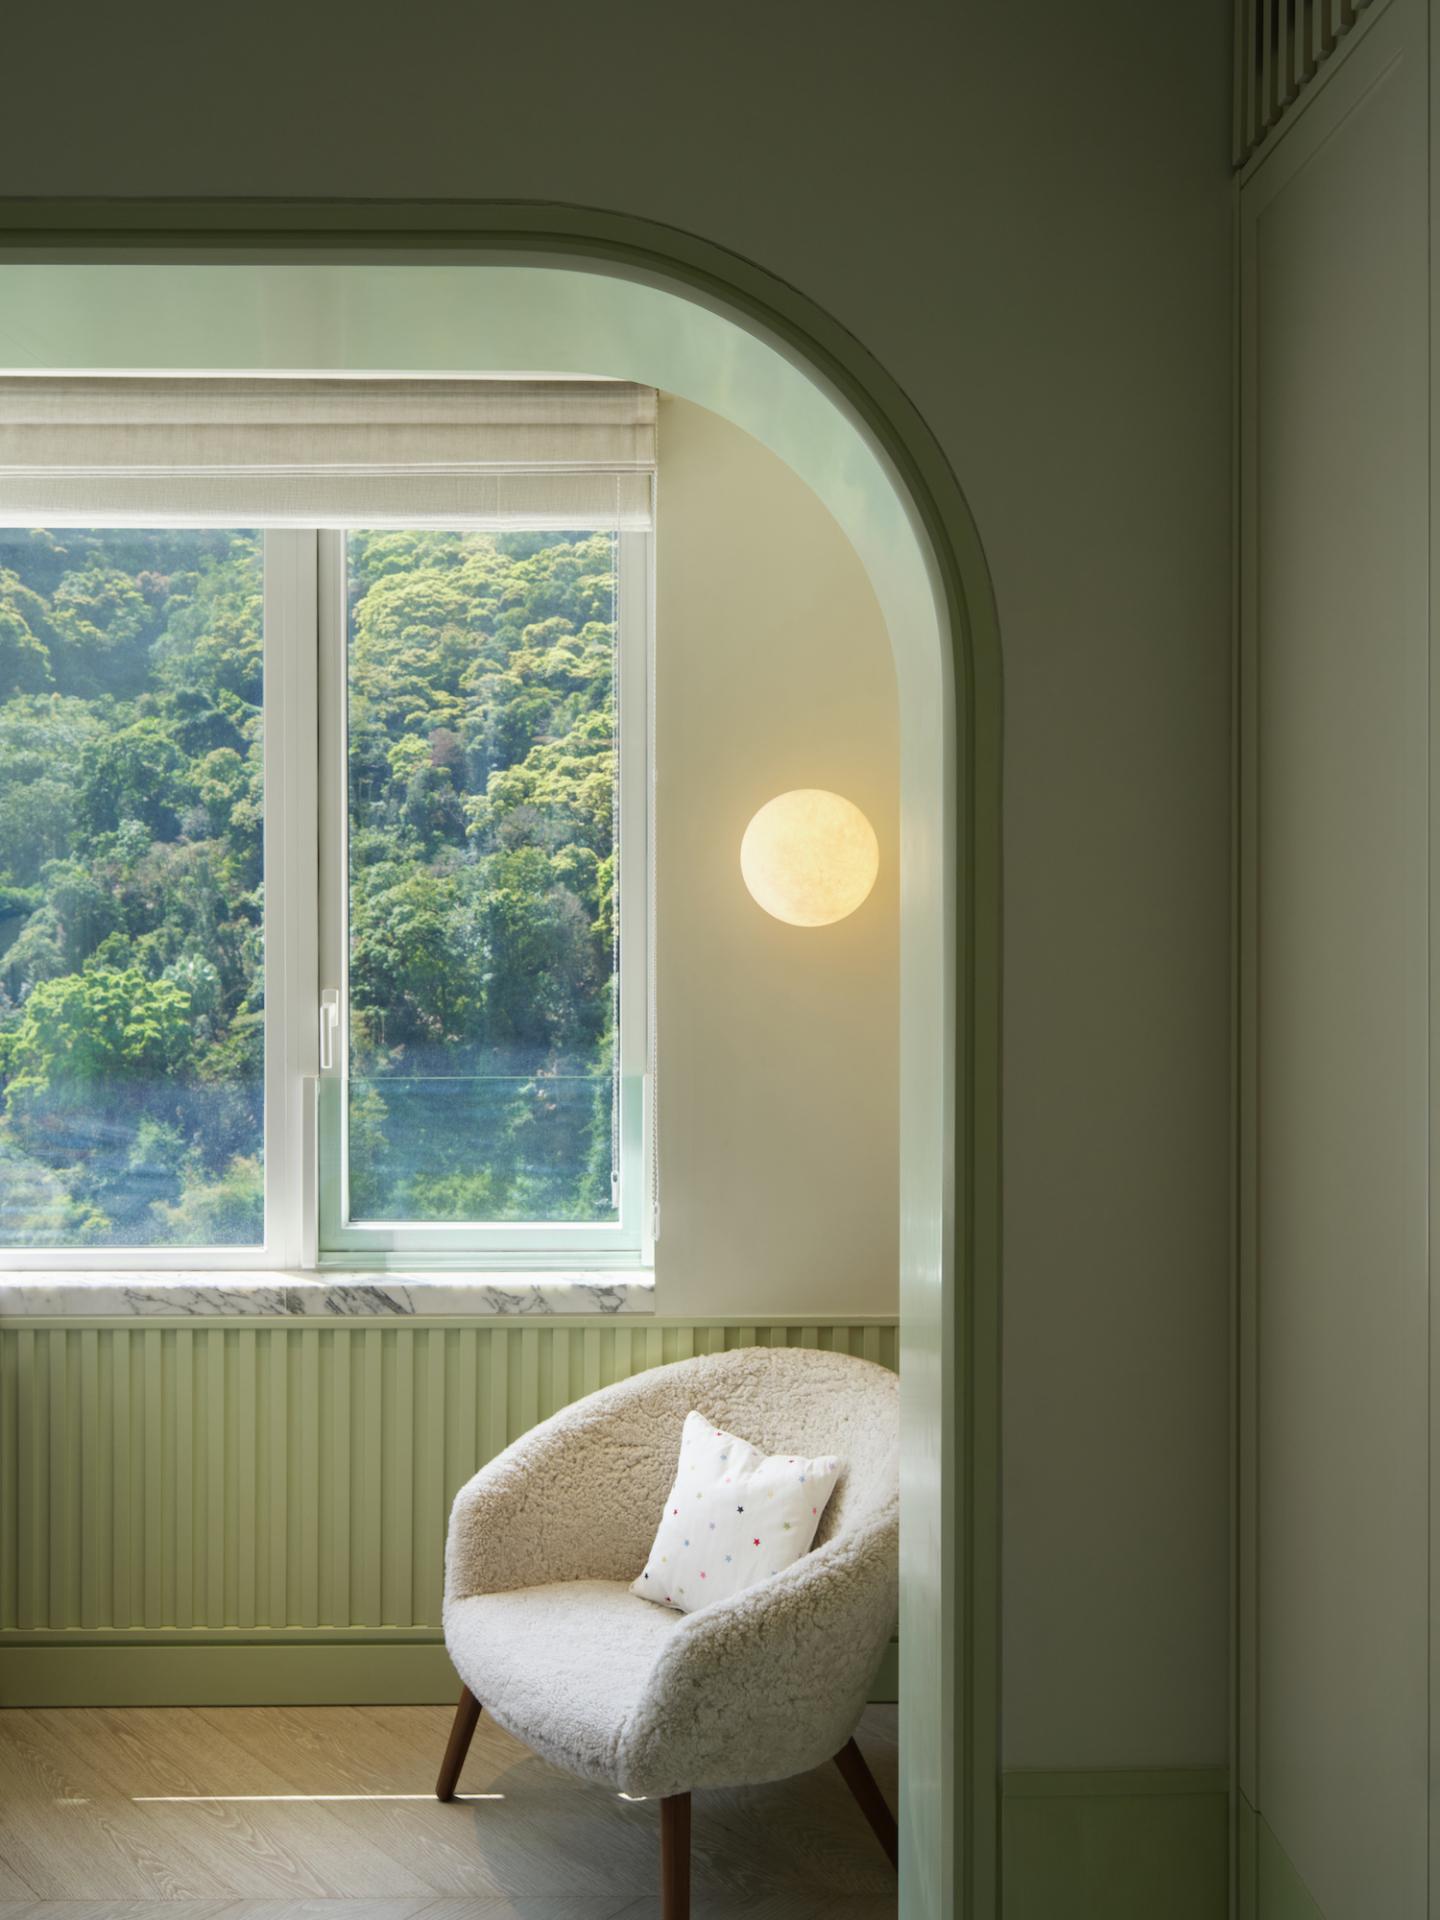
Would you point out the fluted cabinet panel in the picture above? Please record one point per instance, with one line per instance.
(267, 1476)
(1280, 47)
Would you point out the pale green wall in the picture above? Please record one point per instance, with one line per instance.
(1338, 1541)
(1093, 437)
(778, 1045)
(1023, 210)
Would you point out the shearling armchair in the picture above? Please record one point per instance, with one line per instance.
(547, 1638)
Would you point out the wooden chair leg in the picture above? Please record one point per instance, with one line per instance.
(675, 1857)
(861, 1782)
(467, 1715)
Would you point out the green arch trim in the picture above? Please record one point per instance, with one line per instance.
(164, 231)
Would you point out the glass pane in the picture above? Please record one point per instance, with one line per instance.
(131, 984)
(482, 805)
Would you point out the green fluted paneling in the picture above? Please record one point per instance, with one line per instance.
(228, 1476)
(1116, 1846)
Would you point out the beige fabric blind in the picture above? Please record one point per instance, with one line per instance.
(179, 451)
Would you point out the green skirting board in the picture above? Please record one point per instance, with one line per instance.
(1140, 1846)
(1148, 1845)
(1268, 1886)
(279, 1670)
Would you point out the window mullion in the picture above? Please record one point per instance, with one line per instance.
(332, 888)
(291, 961)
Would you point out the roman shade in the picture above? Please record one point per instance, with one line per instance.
(138, 450)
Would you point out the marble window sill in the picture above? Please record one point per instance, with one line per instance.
(335, 1295)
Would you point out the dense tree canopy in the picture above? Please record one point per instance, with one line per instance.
(481, 741)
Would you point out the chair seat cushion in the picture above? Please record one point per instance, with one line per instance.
(561, 1667)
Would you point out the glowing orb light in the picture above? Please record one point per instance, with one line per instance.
(809, 857)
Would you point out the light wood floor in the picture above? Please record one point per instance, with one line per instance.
(327, 1813)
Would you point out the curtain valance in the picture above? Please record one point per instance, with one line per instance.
(186, 450)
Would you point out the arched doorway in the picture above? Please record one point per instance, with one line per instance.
(490, 287)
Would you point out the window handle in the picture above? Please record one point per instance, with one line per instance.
(329, 1022)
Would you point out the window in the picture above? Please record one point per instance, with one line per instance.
(132, 978)
(325, 851)
(484, 947)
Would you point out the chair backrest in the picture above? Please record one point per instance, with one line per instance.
(783, 1400)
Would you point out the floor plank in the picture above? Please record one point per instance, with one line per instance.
(327, 1813)
(12, 1888)
(483, 1907)
(68, 1837)
(342, 1750)
(711, 1906)
(117, 1909)
(260, 1849)
(543, 1832)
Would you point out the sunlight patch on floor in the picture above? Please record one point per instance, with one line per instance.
(249, 1799)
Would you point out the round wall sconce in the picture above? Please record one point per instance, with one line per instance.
(809, 857)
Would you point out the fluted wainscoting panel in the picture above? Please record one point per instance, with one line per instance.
(225, 1475)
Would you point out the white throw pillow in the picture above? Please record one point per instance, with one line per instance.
(733, 1517)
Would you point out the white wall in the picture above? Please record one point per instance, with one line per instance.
(778, 1045)
(1024, 211)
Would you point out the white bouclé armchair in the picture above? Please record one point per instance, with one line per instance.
(548, 1639)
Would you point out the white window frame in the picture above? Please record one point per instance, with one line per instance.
(545, 1244)
(305, 927)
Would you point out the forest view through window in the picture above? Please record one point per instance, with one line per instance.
(482, 808)
(131, 975)
(479, 779)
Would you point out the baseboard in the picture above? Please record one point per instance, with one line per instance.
(169, 1675)
(1135, 1844)
(1246, 1890)
(1268, 1885)
(301, 1669)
